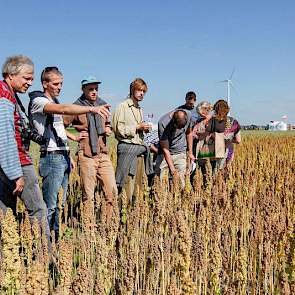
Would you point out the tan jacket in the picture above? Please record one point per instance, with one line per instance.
(125, 119)
(80, 123)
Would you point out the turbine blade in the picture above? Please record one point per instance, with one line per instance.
(232, 73)
(221, 81)
(232, 86)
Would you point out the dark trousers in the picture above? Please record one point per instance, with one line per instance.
(7, 199)
(31, 196)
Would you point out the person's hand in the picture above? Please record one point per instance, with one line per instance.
(207, 137)
(147, 128)
(108, 130)
(143, 126)
(236, 141)
(81, 135)
(103, 110)
(210, 136)
(175, 176)
(192, 157)
(19, 186)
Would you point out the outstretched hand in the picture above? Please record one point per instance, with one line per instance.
(103, 110)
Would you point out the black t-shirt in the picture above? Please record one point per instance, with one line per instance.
(215, 125)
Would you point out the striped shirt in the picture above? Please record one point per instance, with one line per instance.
(10, 135)
(152, 137)
(9, 158)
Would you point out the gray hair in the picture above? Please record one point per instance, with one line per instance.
(14, 64)
(203, 105)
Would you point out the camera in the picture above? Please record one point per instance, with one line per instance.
(31, 134)
(36, 137)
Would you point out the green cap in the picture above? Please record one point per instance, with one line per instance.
(89, 80)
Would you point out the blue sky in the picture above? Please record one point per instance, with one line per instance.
(176, 46)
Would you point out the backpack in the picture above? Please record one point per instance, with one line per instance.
(28, 131)
(42, 139)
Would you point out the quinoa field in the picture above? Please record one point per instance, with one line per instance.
(234, 234)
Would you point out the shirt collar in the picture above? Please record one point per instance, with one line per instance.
(131, 103)
(8, 88)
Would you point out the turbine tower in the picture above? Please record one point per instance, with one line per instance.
(229, 85)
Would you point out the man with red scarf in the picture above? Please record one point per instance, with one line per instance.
(17, 174)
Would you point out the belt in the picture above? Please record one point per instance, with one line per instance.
(57, 152)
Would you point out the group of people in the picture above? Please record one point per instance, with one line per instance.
(142, 150)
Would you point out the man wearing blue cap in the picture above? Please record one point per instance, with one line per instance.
(45, 115)
(94, 162)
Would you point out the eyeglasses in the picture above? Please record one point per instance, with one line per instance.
(47, 70)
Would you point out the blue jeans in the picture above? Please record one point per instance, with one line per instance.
(54, 170)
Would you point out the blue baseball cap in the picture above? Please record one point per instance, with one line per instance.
(90, 80)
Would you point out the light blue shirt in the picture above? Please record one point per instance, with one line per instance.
(9, 157)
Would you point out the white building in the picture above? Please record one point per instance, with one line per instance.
(278, 126)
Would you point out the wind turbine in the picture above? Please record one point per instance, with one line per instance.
(229, 85)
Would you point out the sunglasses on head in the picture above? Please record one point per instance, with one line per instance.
(48, 70)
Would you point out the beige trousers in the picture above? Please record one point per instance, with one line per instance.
(97, 169)
(179, 161)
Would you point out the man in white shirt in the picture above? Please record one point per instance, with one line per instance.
(45, 114)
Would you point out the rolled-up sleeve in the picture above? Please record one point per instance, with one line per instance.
(9, 157)
(162, 131)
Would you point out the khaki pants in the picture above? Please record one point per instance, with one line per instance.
(179, 161)
(98, 168)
